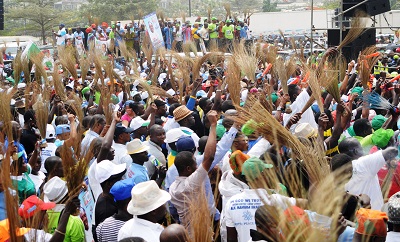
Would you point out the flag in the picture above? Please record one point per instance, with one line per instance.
(30, 49)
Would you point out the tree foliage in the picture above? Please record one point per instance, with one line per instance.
(269, 6)
(112, 10)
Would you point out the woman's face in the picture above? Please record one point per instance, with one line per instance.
(128, 110)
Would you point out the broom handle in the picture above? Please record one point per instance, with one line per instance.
(269, 66)
(308, 104)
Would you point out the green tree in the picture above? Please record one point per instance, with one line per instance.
(117, 9)
(268, 6)
(39, 14)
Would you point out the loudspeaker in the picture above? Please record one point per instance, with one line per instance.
(371, 7)
(351, 51)
(1, 15)
(346, 20)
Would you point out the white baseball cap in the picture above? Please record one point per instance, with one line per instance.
(138, 122)
(173, 135)
(50, 132)
(106, 169)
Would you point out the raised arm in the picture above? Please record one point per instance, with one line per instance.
(108, 140)
(212, 140)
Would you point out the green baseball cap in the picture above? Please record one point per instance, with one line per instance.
(351, 132)
(213, 18)
(254, 167)
(381, 137)
(249, 127)
(220, 131)
(357, 90)
(378, 121)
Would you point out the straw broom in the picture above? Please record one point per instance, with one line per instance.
(157, 91)
(26, 68)
(368, 59)
(40, 72)
(84, 65)
(280, 71)
(10, 200)
(41, 113)
(316, 91)
(247, 61)
(209, 10)
(233, 81)
(227, 7)
(198, 211)
(357, 27)
(96, 21)
(59, 86)
(147, 49)
(68, 61)
(17, 66)
(183, 16)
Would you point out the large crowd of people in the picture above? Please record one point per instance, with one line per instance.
(99, 146)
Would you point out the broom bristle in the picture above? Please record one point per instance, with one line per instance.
(42, 114)
(67, 59)
(246, 60)
(233, 81)
(357, 27)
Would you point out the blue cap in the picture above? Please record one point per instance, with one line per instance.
(201, 93)
(62, 25)
(121, 190)
(259, 76)
(62, 128)
(185, 143)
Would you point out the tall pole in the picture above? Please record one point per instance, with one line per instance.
(312, 27)
(190, 8)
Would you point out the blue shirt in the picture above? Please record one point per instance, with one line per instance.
(138, 173)
(3, 210)
(243, 32)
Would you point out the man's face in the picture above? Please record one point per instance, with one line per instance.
(111, 154)
(151, 27)
(190, 119)
(241, 143)
(162, 110)
(125, 137)
(158, 137)
(141, 157)
(78, 29)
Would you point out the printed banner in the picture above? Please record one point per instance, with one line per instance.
(87, 204)
(154, 30)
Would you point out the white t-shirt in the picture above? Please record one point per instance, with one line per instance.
(178, 34)
(144, 229)
(297, 106)
(61, 39)
(37, 179)
(241, 208)
(393, 236)
(365, 179)
(93, 183)
(50, 150)
(121, 155)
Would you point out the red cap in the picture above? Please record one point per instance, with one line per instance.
(93, 26)
(32, 205)
(398, 50)
(89, 30)
(104, 24)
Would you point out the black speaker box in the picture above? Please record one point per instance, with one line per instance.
(351, 51)
(371, 7)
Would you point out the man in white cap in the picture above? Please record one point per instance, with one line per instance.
(170, 138)
(147, 206)
(50, 149)
(55, 190)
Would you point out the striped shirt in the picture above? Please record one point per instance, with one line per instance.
(108, 230)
